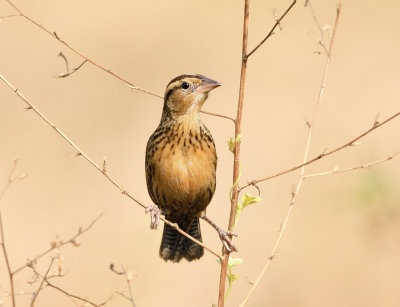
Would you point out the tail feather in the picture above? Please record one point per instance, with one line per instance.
(175, 246)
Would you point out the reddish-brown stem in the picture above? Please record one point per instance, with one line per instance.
(236, 152)
(235, 191)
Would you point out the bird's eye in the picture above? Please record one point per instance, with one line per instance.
(185, 85)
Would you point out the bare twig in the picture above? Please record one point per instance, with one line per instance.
(300, 180)
(45, 280)
(35, 294)
(11, 15)
(58, 244)
(80, 152)
(363, 166)
(3, 242)
(70, 295)
(87, 59)
(68, 73)
(352, 142)
(128, 283)
(62, 55)
(219, 115)
(56, 36)
(321, 31)
(277, 23)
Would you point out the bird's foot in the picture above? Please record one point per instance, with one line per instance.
(224, 235)
(155, 214)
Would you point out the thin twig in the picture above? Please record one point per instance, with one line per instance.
(59, 244)
(277, 23)
(87, 59)
(321, 31)
(35, 294)
(300, 180)
(219, 115)
(45, 279)
(3, 242)
(352, 142)
(68, 73)
(56, 36)
(363, 166)
(80, 152)
(73, 295)
(11, 15)
(128, 282)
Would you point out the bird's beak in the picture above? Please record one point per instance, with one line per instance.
(207, 85)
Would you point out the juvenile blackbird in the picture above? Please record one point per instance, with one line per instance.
(181, 162)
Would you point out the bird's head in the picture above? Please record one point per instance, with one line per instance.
(186, 94)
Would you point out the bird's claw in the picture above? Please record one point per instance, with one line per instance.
(225, 235)
(155, 213)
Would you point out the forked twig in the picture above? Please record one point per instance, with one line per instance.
(57, 245)
(350, 143)
(70, 295)
(343, 170)
(270, 33)
(68, 73)
(36, 294)
(321, 31)
(87, 59)
(56, 36)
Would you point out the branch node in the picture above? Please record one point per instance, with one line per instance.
(113, 269)
(271, 257)
(104, 169)
(56, 36)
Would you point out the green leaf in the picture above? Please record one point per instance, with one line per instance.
(231, 276)
(248, 200)
(234, 261)
(232, 143)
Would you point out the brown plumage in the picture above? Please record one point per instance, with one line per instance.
(181, 163)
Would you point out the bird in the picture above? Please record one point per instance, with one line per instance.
(180, 167)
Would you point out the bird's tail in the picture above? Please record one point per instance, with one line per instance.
(175, 246)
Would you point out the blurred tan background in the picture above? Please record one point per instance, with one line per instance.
(342, 244)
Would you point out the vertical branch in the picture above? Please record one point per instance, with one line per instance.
(3, 243)
(235, 191)
(305, 157)
(238, 120)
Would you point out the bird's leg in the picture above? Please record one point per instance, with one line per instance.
(223, 235)
(155, 213)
